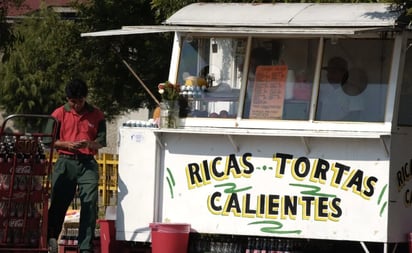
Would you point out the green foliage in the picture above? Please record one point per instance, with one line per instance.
(115, 89)
(47, 51)
(405, 7)
(43, 56)
(4, 25)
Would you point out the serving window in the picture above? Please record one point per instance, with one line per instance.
(210, 77)
(354, 80)
(405, 102)
(280, 75)
(278, 78)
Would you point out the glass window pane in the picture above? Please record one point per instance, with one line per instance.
(280, 76)
(405, 104)
(210, 76)
(354, 80)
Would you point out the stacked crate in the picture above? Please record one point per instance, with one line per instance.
(24, 182)
(108, 169)
(68, 238)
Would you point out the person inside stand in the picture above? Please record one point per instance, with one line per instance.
(340, 99)
(357, 82)
(81, 133)
(208, 77)
(353, 89)
(204, 72)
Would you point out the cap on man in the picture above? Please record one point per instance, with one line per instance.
(337, 70)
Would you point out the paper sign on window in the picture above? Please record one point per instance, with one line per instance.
(268, 92)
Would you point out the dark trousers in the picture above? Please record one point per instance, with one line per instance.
(69, 174)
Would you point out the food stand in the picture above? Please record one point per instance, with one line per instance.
(270, 144)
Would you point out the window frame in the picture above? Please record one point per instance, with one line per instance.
(305, 125)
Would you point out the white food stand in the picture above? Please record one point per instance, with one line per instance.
(276, 165)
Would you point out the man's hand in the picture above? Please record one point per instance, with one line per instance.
(81, 144)
(75, 145)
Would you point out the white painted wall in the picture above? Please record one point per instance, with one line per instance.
(114, 126)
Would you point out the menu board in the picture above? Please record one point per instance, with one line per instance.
(268, 92)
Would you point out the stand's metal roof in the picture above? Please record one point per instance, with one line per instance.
(286, 14)
(277, 18)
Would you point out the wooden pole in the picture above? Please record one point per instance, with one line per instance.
(141, 82)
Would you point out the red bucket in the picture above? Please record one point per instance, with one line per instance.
(107, 236)
(170, 237)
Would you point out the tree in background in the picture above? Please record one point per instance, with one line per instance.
(47, 51)
(44, 54)
(115, 88)
(4, 25)
(405, 7)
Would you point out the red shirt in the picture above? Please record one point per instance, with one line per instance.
(89, 126)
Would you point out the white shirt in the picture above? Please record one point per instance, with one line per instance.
(335, 104)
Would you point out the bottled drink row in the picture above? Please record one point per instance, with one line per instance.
(21, 182)
(25, 149)
(17, 236)
(19, 210)
(69, 236)
(208, 243)
(151, 123)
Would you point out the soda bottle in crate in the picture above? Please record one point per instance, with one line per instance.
(10, 150)
(9, 237)
(18, 236)
(4, 183)
(21, 182)
(70, 236)
(19, 158)
(13, 210)
(2, 236)
(3, 153)
(75, 235)
(37, 183)
(63, 238)
(34, 238)
(3, 209)
(20, 210)
(38, 210)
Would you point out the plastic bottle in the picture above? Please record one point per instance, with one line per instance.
(280, 246)
(257, 246)
(75, 235)
(288, 246)
(272, 246)
(264, 248)
(249, 247)
(63, 237)
(70, 236)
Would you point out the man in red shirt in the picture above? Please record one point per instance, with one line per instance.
(81, 132)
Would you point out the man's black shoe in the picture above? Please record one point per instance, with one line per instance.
(53, 247)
